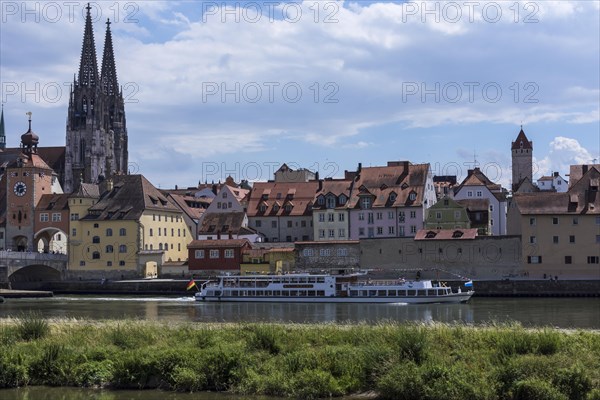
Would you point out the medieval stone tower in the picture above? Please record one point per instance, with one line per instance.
(522, 160)
(96, 145)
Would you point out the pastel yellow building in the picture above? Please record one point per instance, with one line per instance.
(128, 231)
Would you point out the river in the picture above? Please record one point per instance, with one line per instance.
(578, 313)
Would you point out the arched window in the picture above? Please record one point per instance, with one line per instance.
(96, 255)
(160, 246)
(122, 248)
(109, 248)
(122, 232)
(166, 246)
(109, 232)
(96, 239)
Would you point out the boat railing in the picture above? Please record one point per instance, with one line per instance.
(371, 282)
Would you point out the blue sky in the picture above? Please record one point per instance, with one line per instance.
(216, 88)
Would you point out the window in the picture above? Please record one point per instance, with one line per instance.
(479, 193)
(598, 239)
(575, 221)
(109, 232)
(532, 239)
(555, 239)
(491, 207)
(534, 259)
(532, 221)
(96, 226)
(214, 253)
(303, 224)
(341, 217)
(413, 229)
(74, 232)
(109, 263)
(151, 232)
(491, 222)
(361, 216)
(572, 239)
(258, 224)
(390, 215)
(593, 260)
(412, 196)
(75, 217)
(123, 248)
(597, 220)
(321, 233)
(342, 232)
(343, 199)
(470, 193)
(289, 224)
(331, 217)
(413, 214)
(96, 255)
(308, 252)
(224, 195)
(109, 249)
(332, 233)
(330, 202)
(365, 202)
(82, 263)
(273, 224)
(401, 216)
(379, 215)
(160, 246)
(228, 253)
(56, 217)
(456, 214)
(361, 231)
(554, 220)
(122, 263)
(390, 230)
(44, 217)
(325, 252)
(96, 239)
(438, 215)
(370, 218)
(199, 254)
(123, 231)
(568, 260)
(342, 252)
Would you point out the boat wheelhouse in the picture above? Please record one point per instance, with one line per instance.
(326, 289)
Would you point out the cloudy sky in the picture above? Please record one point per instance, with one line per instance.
(219, 88)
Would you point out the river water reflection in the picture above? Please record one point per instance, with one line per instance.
(582, 313)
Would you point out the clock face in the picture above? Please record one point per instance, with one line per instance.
(20, 188)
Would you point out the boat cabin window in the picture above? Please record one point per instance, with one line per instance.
(422, 292)
(412, 292)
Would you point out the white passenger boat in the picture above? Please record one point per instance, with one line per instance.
(309, 288)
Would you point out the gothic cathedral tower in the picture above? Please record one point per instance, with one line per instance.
(522, 160)
(96, 145)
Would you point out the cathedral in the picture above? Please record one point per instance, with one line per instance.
(96, 142)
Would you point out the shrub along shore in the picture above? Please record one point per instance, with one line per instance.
(390, 360)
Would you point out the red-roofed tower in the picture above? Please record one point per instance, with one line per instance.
(522, 160)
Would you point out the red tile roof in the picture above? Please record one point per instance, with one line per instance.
(203, 244)
(301, 196)
(521, 138)
(446, 234)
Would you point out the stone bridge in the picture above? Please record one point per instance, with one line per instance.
(16, 266)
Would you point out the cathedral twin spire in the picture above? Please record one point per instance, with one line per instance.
(88, 66)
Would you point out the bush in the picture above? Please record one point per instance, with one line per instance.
(402, 381)
(184, 379)
(574, 382)
(94, 373)
(315, 384)
(54, 367)
(594, 394)
(412, 344)
(536, 389)
(265, 337)
(32, 326)
(13, 372)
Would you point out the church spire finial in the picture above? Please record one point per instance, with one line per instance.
(109, 71)
(88, 66)
(2, 133)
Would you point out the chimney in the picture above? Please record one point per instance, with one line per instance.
(230, 234)
(584, 169)
(218, 235)
(359, 168)
(214, 189)
(405, 165)
(317, 175)
(556, 174)
(320, 185)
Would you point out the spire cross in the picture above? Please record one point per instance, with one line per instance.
(29, 113)
(88, 7)
(107, 23)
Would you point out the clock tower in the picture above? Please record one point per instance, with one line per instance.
(28, 177)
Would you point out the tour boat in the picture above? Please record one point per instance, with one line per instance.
(309, 288)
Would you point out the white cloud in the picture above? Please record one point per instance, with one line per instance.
(563, 152)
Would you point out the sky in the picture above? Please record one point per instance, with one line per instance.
(218, 88)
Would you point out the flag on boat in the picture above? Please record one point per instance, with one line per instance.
(191, 284)
(469, 284)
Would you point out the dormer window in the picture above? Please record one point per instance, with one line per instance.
(288, 208)
(393, 197)
(430, 235)
(224, 195)
(457, 234)
(262, 208)
(343, 199)
(321, 200)
(330, 201)
(275, 208)
(412, 196)
(365, 203)
(404, 185)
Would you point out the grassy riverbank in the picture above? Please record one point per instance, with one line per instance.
(304, 361)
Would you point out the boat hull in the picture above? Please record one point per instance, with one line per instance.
(450, 298)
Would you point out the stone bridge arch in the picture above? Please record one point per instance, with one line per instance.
(35, 273)
(16, 266)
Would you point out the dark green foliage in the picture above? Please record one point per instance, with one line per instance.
(536, 389)
(32, 326)
(308, 361)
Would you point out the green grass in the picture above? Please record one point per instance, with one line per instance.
(395, 361)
